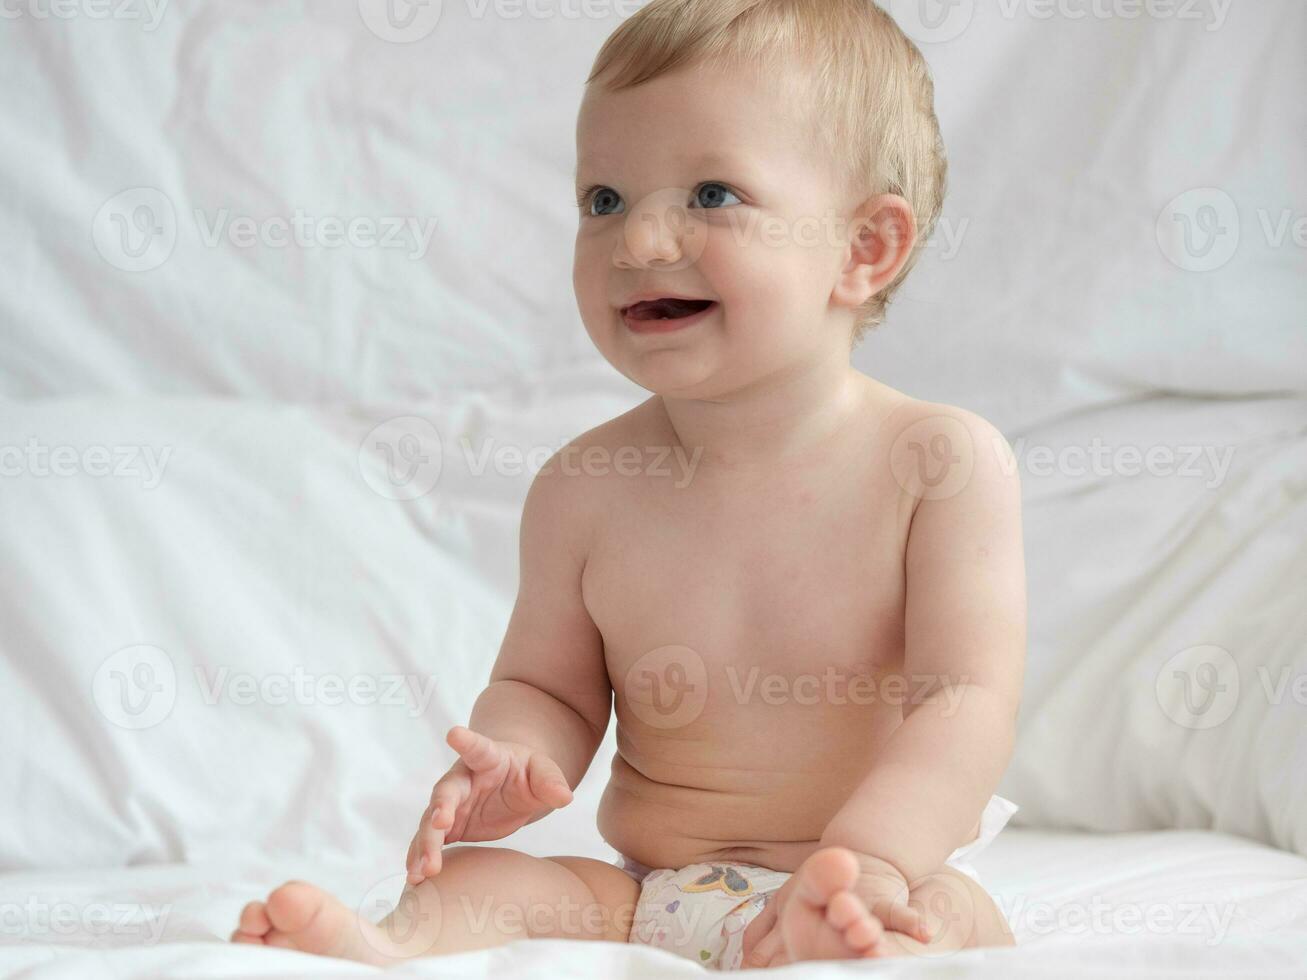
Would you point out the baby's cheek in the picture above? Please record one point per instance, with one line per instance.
(588, 282)
(740, 271)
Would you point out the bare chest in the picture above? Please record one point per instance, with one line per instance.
(788, 575)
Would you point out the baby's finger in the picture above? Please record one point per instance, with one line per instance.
(426, 842)
(547, 782)
(478, 752)
(436, 827)
(424, 853)
(413, 861)
(449, 793)
(766, 948)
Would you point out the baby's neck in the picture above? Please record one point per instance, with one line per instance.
(778, 420)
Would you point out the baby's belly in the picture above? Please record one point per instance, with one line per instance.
(758, 793)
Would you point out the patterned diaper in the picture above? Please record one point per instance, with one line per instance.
(701, 911)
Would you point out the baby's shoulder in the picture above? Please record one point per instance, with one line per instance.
(903, 413)
(609, 447)
(581, 469)
(930, 446)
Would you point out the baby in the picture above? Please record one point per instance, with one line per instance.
(814, 642)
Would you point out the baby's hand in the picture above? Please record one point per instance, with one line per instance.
(492, 790)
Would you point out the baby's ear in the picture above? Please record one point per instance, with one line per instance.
(882, 233)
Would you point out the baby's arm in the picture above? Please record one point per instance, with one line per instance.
(541, 718)
(549, 687)
(965, 630)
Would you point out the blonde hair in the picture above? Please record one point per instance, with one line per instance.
(873, 91)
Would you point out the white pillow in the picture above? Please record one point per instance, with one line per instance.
(227, 630)
(1167, 680)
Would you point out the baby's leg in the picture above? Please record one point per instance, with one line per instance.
(483, 896)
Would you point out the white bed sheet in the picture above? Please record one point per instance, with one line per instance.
(1170, 903)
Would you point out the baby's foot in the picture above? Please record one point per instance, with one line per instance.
(823, 919)
(304, 917)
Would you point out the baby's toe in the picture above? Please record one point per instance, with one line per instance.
(861, 929)
(254, 920)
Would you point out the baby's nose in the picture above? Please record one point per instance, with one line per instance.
(660, 230)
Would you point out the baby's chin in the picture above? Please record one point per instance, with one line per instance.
(669, 365)
(670, 373)
(686, 374)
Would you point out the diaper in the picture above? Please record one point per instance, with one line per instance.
(701, 911)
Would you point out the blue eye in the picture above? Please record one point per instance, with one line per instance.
(714, 195)
(605, 200)
(599, 200)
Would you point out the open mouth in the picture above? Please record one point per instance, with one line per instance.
(666, 308)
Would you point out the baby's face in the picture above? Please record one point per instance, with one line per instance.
(708, 185)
